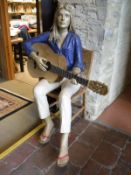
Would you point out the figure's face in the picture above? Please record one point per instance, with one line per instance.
(63, 19)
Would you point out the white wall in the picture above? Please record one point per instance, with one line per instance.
(122, 52)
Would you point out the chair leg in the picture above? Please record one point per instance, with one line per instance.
(84, 104)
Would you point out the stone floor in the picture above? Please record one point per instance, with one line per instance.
(118, 114)
(94, 150)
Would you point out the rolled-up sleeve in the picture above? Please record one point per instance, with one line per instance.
(27, 45)
(78, 53)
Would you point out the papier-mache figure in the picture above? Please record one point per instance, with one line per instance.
(64, 41)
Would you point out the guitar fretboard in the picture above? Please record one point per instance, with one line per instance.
(66, 74)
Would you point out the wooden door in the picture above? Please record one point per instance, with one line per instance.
(6, 59)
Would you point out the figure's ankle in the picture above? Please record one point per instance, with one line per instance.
(63, 150)
(63, 157)
(49, 127)
(64, 145)
(49, 122)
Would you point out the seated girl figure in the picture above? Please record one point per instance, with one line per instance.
(62, 40)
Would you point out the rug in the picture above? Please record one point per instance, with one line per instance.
(10, 103)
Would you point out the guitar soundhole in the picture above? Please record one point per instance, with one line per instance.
(35, 65)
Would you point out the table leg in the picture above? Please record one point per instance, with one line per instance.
(21, 58)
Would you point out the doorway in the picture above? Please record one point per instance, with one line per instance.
(6, 63)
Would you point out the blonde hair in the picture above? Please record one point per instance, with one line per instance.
(54, 35)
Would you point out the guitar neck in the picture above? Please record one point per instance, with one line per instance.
(66, 74)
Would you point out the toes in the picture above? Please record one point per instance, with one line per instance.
(63, 160)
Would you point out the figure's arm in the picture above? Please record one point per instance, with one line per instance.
(39, 39)
(43, 38)
(78, 66)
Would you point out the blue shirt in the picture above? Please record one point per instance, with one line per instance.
(71, 48)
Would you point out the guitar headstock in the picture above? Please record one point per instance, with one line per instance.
(98, 87)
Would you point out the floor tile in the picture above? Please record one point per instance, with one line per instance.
(107, 155)
(104, 171)
(91, 168)
(79, 125)
(92, 136)
(55, 140)
(28, 170)
(120, 169)
(5, 168)
(116, 138)
(19, 155)
(118, 114)
(68, 170)
(79, 154)
(126, 156)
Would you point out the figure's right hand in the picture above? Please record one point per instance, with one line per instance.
(40, 61)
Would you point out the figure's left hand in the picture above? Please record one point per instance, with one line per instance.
(75, 71)
(73, 81)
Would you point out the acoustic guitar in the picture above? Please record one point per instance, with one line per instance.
(56, 69)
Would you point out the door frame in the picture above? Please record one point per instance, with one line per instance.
(6, 57)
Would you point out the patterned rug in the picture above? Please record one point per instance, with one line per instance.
(10, 103)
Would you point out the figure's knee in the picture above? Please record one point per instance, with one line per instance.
(39, 90)
(63, 96)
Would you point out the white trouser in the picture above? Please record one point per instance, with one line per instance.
(67, 90)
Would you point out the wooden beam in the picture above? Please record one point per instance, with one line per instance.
(6, 58)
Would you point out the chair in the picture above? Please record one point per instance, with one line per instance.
(88, 57)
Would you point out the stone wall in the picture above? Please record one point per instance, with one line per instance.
(121, 74)
(89, 18)
(98, 24)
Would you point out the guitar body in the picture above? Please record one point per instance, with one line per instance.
(46, 52)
